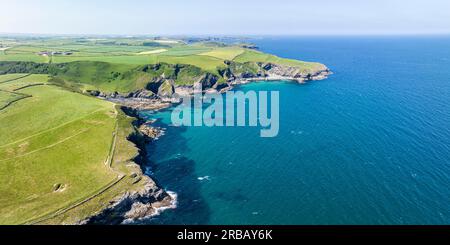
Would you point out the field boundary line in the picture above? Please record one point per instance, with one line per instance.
(47, 147)
(120, 177)
(14, 79)
(112, 150)
(29, 85)
(50, 129)
(208, 55)
(14, 91)
(24, 96)
(66, 209)
(13, 101)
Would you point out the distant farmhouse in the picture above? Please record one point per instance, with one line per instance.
(52, 53)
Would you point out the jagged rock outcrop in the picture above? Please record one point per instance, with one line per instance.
(142, 93)
(150, 132)
(135, 205)
(294, 72)
(170, 82)
(166, 89)
(207, 81)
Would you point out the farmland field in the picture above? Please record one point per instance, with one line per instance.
(21, 80)
(44, 166)
(9, 77)
(250, 55)
(6, 98)
(57, 153)
(23, 57)
(224, 53)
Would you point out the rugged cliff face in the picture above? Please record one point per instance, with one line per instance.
(144, 198)
(293, 72)
(134, 206)
(167, 80)
(271, 71)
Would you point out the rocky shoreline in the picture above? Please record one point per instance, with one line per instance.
(167, 93)
(151, 200)
(135, 206)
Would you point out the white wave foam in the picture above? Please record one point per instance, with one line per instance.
(158, 211)
(204, 178)
(173, 204)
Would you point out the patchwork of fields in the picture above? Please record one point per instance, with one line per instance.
(54, 149)
(208, 56)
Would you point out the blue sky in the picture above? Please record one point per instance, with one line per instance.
(231, 17)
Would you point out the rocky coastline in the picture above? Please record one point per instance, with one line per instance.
(152, 199)
(166, 92)
(135, 206)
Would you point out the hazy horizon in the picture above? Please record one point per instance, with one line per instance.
(234, 18)
(231, 36)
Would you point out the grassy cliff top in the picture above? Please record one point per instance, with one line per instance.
(57, 149)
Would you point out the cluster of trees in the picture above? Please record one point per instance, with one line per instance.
(154, 44)
(24, 67)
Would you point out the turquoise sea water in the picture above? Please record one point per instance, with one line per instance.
(369, 145)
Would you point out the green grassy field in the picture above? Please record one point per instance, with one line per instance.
(10, 77)
(53, 149)
(23, 81)
(116, 59)
(11, 82)
(225, 53)
(23, 57)
(256, 56)
(209, 56)
(187, 50)
(6, 98)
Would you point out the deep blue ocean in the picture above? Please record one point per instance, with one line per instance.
(368, 145)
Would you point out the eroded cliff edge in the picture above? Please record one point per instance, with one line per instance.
(182, 80)
(159, 94)
(142, 197)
